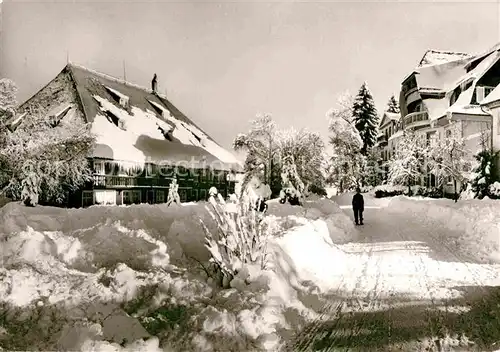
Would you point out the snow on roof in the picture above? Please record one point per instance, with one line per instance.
(389, 116)
(436, 108)
(437, 57)
(392, 115)
(138, 139)
(467, 110)
(396, 135)
(483, 55)
(438, 77)
(139, 123)
(492, 97)
(477, 72)
(462, 102)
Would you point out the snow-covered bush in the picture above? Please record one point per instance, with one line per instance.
(485, 174)
(173, 193)
(240, 240)
(495, 189)
(389, 191)
(405, 168)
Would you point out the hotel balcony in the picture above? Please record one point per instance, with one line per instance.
(416, 119)
(111, 181)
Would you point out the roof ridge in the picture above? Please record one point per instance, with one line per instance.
(465, 55)
(115, 79)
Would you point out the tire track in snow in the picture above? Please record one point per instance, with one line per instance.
(334, 309)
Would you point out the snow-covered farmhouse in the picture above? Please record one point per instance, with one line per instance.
(449, 87)
(143, 141)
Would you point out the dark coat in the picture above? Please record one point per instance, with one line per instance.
(358, 202)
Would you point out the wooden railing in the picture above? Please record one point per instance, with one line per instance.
(109, 181)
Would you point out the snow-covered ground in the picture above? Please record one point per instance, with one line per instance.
(88, 278)
(130, 278)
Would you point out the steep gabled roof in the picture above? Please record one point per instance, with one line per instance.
(389, 116)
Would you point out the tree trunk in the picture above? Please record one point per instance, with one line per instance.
(455, 190)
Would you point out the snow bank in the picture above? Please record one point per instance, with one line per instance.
(475, 222)
(177, 226)
(123, 278)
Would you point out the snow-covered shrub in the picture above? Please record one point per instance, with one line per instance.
(290, 195)
(173, 193)
(495, 189)
(241, 239)
(383, 191)
(485, 174)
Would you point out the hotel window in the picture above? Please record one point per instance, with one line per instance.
(194, 194)
(183, 194)
(98, 167)
(87, 198)
(150, 170)
(110, 168)
(160, 196)
(136, 196)
(166, 171)
(203, 194)
(127, 197)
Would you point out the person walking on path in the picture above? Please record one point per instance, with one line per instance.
(358, 206)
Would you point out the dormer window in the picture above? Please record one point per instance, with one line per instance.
(165, 130)
(56, 116)
(14, 122)
(120, 98)
(160, 110)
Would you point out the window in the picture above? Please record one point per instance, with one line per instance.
(160, 196)
(55, 117)
(127, 197)
(120, 98)
(14, 122)
(99, 167)
(150, 170)
(203, 176)
(183, 194)
(136, 196)
(203, 194)
(195, 195)
(87, 198)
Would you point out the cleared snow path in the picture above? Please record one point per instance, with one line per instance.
(403, 285)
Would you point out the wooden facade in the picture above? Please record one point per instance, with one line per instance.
(113, 184)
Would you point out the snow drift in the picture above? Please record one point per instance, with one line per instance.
(130, 278)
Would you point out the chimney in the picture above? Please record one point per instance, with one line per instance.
(154, 84)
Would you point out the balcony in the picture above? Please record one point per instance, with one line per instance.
(111, 181)
(414, 119)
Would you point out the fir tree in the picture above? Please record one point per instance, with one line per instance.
(347, 162)
(365, 118)
(393, 105)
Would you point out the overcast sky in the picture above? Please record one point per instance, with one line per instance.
(223, 62)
